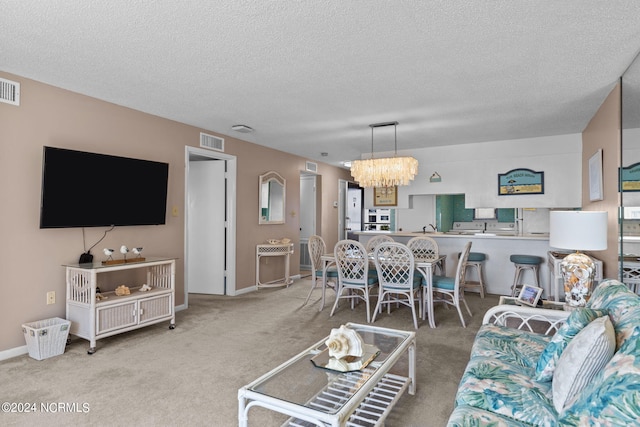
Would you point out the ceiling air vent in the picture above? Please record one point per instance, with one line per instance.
(9, 92)
(311, 167)
(211, 142)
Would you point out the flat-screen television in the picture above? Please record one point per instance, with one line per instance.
(81, 189)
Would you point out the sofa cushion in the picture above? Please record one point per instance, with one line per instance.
(576, 321)
(584, 357)
(613, 397)
(500, 376)
(622, 306)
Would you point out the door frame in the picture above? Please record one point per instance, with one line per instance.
(231, 186)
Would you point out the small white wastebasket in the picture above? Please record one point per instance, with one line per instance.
(46, 338)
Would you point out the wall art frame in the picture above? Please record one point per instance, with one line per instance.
(520, 181)
(595, 177)
(385, 196)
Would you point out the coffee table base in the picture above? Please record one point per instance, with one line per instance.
(372, 411)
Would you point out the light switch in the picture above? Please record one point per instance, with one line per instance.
(175, 211)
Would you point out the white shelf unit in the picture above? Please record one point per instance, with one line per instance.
(92, 319)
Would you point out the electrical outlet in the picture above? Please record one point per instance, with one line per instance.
(51, 297)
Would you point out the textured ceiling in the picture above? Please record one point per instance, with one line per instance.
(310, 76)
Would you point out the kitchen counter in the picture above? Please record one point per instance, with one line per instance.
(499, 270)
(456, 234)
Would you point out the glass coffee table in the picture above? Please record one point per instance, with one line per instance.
(314, 396)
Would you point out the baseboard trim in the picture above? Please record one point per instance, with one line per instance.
(13, 352)
(245, 290)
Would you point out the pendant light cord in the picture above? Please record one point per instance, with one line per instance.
(395, 138)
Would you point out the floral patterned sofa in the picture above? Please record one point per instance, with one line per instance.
(515, 376)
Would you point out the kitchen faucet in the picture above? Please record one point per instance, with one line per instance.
(434, 227)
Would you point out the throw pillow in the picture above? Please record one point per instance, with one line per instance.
(576, 321)
(583, 358)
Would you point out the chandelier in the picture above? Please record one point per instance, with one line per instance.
(386, 171)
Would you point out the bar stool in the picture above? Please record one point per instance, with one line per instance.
(523, 263)
(476, 260)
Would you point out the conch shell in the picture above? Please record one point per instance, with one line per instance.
(344, 342)
(123, 290)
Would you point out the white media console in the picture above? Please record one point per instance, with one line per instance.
(94, 319)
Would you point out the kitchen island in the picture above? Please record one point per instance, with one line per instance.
(498, 269)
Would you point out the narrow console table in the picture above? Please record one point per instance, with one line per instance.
(92, 318)
(281, 249)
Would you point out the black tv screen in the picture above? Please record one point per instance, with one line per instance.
(81, 189)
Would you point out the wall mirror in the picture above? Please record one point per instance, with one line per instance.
(630, 172)
(272, 198)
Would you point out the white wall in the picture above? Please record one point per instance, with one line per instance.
(420, 213)
(473, 169)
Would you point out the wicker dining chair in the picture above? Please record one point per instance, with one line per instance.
(398, 280)
(317, 248)
(425, 248)
(355, 278)
(449, 289)
(376, 240)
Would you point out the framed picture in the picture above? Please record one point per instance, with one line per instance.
(385, 196)
(529, 295)
(520, 181)
(595, 177)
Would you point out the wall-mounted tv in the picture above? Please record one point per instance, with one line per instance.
(81, 189)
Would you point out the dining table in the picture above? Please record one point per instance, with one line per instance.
(424, 266)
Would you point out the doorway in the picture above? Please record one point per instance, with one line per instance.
(350, 209)
(308, 194)
(210, 201)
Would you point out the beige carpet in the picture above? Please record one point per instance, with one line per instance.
(190, 376)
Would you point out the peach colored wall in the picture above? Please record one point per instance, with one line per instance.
(31, 258)
(603, 132)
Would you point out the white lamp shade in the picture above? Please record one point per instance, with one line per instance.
(578, 230)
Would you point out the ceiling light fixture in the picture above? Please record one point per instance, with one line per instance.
(386, 171)
(242, 128)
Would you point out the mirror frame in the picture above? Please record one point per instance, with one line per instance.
(630, 122)
(268, 178)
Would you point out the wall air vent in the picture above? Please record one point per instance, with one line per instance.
(311, 167)
(9, 92)
(211, 142)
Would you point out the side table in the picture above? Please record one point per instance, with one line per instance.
(282, 249)
(546, 319)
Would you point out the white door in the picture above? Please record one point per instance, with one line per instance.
(206, 219)
(307, 217)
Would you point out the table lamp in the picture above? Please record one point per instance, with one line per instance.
(579, 231)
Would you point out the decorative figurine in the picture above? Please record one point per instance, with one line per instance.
(108, 252)
(124, 250)
(137, 251)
